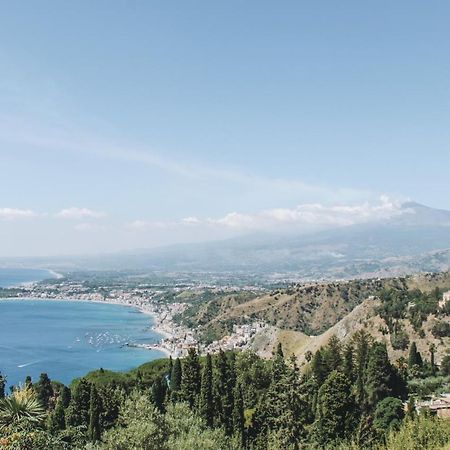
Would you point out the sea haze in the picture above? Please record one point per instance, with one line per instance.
(14, 277)
(67, 339)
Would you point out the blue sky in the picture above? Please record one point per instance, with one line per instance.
(139, 123)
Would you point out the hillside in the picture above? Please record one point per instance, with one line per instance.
(304, 316)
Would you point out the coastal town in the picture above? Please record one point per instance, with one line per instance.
(176, 338)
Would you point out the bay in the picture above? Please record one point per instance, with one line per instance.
(67, 339)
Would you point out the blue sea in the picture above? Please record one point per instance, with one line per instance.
(16, 277)
(67, 339)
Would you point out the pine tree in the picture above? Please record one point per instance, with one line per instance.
(191, 379)
(332, 354)
(294, 410)
(175, 380)
(348, 363)
(206, 406)
(379, 375)
(44, 390)
(318, 367)
(415, 358)
(95, 407)
(77, 413)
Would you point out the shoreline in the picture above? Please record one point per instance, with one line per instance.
(142, 309)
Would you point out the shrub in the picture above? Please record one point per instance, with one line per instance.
(441, 329)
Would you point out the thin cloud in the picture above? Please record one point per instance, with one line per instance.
(79, 213)
(65, 138)
(15, 213)
(316, 214)
(305, 216)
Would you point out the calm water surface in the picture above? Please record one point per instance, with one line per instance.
(67, 339)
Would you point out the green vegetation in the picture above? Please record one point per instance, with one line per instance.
(348, 397)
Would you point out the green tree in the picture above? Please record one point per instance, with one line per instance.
(335, 409)
(159, 388)
(379, 375)
(191, 379)
(318, 367)
(238, 414)
(57, 418)
(2, 385)
(206, 406)
(140, 427)
(432, 348)
(332, 354)
(64, 396)
(415, 358)
(388, 415)
(28, 382)
(445, 365)
(223, 394)
(348, 365)
(95, 410)
(77, 413)
(294, 413)
(362, 341)
(44, 390)
(175, 380)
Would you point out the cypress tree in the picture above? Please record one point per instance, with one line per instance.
(57, 419)
(278, 364)
(238, 414)
(379, 375)
(191, 378)
(415, 358)
(433, 365)
(159, 393)
(77, 413)
(175, 380)
(64, 396)
(362, 341)
(206, 406)
(223, 393)
(94, 430)
(44, 390)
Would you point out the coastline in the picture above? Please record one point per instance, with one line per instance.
(163, 333)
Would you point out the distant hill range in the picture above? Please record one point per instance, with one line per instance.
(414, 241)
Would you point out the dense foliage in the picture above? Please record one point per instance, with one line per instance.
(346, 397)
